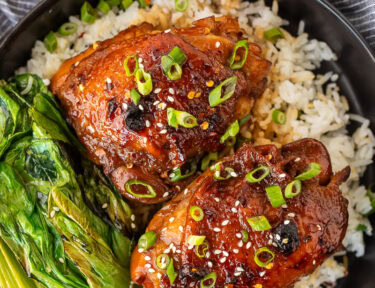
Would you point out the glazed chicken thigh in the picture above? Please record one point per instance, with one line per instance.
(230, 229)
(133, 139)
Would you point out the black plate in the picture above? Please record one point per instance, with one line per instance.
(356, 66)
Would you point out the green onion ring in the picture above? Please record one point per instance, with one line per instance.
(68, 29)
(259, 223)
(104, 6)
(176, 174)
(297, 184)
(181, 5)
(162, 261)
(252, 179)
(196, 213)
(260, 251)
(126, 67)
(278, 117)
(152, 193)
(273, 34)
(275, 195)
(88, 14)
(200, 250)
(209, 277)
(229, 86)
(313, 170)
(50, 42)
(233, 63)
(207, 160)
(147, 240)
(176, 118)
(134, 95)
(232, 131)
(144, 82)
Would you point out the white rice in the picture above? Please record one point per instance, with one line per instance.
(293, 86)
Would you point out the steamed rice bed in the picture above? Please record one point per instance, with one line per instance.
(313, 104)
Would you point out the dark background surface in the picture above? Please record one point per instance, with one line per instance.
(356, 67)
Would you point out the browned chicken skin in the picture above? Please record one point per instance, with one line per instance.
(305, 231)
(135, 141)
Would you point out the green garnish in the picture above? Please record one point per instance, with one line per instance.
(88, 14)
(275, 195)
(208, 159)
(172, 275)
(171, 63)
(209, 280)
(196, 240)
(113, 3)
(125, 4)
(232, 131)
(196, 213)
(200, 250)
(244, 119)
(150, 189)
(227, 87)
(50, 42)
(234, 63)
(218, 169)
(245, 236)
(144, 3)
(144, 82)
(68, 29)
(162, 261)
(361, 227)
(273, 34)
(278, 117)
(134, 95)
(104, 6)
(259, 223)
(257, 174)
(136, 65)
(180, 118)
(293, 189)
(177, 175)
(181, 5)
(269, 254)
(313, 170)
(147, 240)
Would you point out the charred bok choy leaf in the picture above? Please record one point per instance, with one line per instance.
(63, 221)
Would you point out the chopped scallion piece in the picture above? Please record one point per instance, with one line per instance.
(218, 169)
(371, 196)
(196, 240)
(150, 189)
(162, 261)
(313, 170)
(259, 223)
(125, 4)
(134, 95)
(209, 280)
(176, 118)
(269, 256)
(88, 14)
(50, 42)
(68, 29)
(144, 3)
(104, 6)
(126, 67)
(245, 236)
(227, 87)
(293, 189)
(181, 5)
(244, 119)
(196, 213)
(171, 63)
(147, 240)
(361, 227)
(237, 61)
(200, 250)
(273, 34)
(144, 82)
(177, 175)
(207, 160)
(278, 117)
(177, 55)
(113, 3)
(275, 195)
(258, 174)
(232, 131)
(172, 275)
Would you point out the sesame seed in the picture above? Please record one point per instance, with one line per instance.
(190, 247)
(105, 206)
(314, 262)
(159, 275)
(167, 31)
(283, 175)
(53, 213)
(181, 228)
(284, 206)
(171, 90)
(261, 274)
(147, 258)
(248, 245)
(151, 270)
(235, 251)
(240, 269)
(225, 253)
(291, 215)
(225, 223)
(217, 252)
(240, 243)
(297, 159)
(132, 217)
(133, 226)
(222, 260)
(156, 102)
(269, 242)
(186, 191)
(108, 80)
(61, 260)
(124, 106)
(233, 174)
(234, 210)
(319, 227)
(171, 219)
(81, 87)
(172, 175)
(208, 254)
(237, 274)
(166, 194)
(286, 222)
(157, 90)
(164, 131)
(162, 106)
(170, 99)
(209, 264)
(76, 64)
(57, 209)
(274, 244)
(141, 66)
(237, 203)
(148, 124)
(148, 265)
(178, 251)
(191, 284)
(140, 250)
(166, 251)
(239, 235)
(159, 125)
(217, 44)
(140, 60)
(217, 229)
(277, 237)
(217, 199)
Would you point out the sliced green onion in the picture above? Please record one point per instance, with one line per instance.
(144, 3)
(232, 131)
(254, 177)
(181, 5)
(196, 213)
(245, 236)
(313, 170)
(227, 86)
(361, 227)
(275, 195)
(264, 250)
(50, 42)
(244, 119)
(88, 14)
(207, 160)
(104, 6)
(162, 261)
(144, 82)
(177, 175)
(259, 223)
(147, 240)
(209, 280)
(126, 67)
(176, 118)
(278, 117)
(68, 29)
(273, 34)
(196, 240)
(238, 64)
(172, 275)
(151, 191)
(218, 167)
(125, 4)
(371, 196)
(134, 95)
(294, 185)
(171, 63)
(200, 250)
(113, 3)
(177, 55)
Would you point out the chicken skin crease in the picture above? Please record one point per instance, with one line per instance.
(136, 141)
(273, 250)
